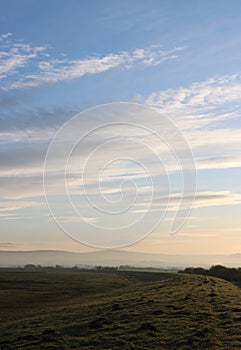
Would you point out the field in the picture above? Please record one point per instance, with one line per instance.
(117, 310)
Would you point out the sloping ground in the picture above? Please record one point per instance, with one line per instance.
(182, 312)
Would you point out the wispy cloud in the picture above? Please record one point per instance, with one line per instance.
(55, 70)
(8, 245)
(15, 205)
(200, 104)
(15, 55)
(43, 68)
(212, 92)
(214, 146)
(207, 128)
(5, 36)
(76, 219)
(203, 199)
(208, 114)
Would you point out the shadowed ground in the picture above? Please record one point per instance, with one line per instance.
(128, 310)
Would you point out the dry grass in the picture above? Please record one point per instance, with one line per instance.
(84, 310)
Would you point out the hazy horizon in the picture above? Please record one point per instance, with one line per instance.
(114, 258)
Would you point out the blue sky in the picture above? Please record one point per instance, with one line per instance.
(183, 58)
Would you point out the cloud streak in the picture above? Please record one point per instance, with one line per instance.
(201, 104)
(204, 112)
(15, 55)
(8, 245)
(16, 205)
(203, 199)
(208, 114)
(34, 66)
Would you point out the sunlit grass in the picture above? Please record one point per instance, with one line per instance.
(131, 310)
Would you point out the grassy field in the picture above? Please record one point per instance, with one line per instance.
(127, 310)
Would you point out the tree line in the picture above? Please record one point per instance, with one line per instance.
(231, 274)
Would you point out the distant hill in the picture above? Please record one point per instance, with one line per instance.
(113, 258)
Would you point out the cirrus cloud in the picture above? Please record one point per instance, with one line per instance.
(34, 66)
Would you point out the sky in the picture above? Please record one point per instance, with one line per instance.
(109, 78)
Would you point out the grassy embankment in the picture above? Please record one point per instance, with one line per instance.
(131, 310)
